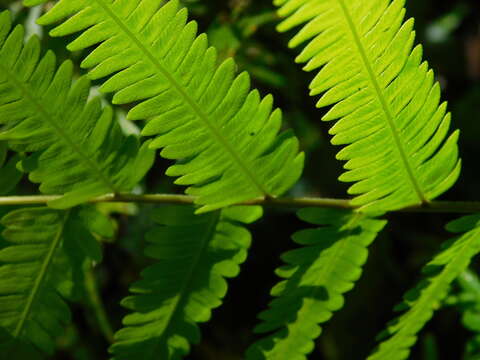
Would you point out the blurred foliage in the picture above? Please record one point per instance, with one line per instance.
(245, 29)
(466, 297)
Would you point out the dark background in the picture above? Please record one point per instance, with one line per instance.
(450, 33)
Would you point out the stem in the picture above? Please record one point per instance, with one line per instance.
(465, 207)
(96, 303)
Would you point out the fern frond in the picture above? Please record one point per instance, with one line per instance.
(40, 265)
(194, 254)
(77, 148)
(316, 277)
(224, 136)
(32, 272)
(420, 303)
(386, 103)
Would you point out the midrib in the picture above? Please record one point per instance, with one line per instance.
(383, 102)
(49, 118)
(40, 278)
(189, 100)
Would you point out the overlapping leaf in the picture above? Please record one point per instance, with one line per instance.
(33, 270)
(386, 103)
(316, 277)
(194, 254)
(420, 303)
(224, 136)
(77, 149)
(41, 265)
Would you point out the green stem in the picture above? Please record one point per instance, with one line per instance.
(465, 207)
(96, 303)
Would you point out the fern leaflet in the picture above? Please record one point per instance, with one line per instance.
(316, 277)
(77, 148)
(41, 264)
(420, 303)
(194, 253)
(385, 100)
(224, 136)
(31, 272)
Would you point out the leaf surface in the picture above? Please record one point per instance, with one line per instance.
(76, 148)
(315, 279)
(33, 269)
(194, 254)
(384, 100)
(225, 137)
(420, 303)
